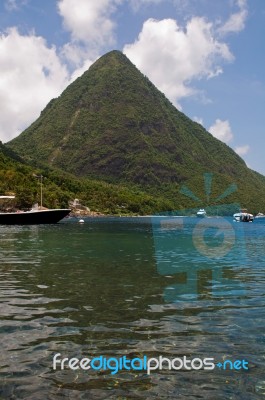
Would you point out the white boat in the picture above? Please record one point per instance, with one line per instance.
(243, 216)
(201, 213)
(260, 217)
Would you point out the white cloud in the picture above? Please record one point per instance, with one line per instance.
(242, 150)
(172, 56)
(90, 25)
(73, 53)
(31, 74)
(79, 71)
(236, 21)
(221, 130)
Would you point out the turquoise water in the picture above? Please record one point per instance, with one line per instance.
(135, 287)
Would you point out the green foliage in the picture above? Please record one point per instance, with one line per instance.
(60, 187)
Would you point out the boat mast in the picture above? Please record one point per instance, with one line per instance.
(41, 191)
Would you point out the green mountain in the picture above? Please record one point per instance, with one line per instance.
(113, 125)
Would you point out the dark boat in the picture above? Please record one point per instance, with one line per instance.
(33, 217)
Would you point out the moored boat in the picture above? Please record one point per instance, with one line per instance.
(243, 216)
(34, 216)
(201, 213)
(260, 217)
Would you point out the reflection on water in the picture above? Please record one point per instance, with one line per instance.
(136, 287)
(201, 255)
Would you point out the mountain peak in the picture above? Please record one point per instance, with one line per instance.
(113, 59)
(113, 54)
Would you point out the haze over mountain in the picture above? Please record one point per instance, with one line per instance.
(113, 125)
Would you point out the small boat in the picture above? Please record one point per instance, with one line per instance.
(201, 213)
(260, 217)
(243, 216)
(34, 216)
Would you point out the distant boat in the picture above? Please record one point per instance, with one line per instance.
(243, 216)
(201, 213)
(260, 217)
(32, 217)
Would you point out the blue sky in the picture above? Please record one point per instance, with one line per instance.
(207, 57)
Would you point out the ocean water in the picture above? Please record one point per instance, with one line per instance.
(134, 287)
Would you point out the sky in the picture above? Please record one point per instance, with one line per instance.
(206, 56)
